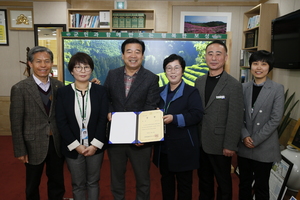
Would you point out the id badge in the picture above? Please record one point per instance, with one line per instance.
(84, 137)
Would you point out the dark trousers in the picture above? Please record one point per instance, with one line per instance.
(214, 166)
(250, 170)
(168, 181)
(54, 172)
(139, 157)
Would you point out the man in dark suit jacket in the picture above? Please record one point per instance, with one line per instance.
(36, 140)
(131, 88)
(222, 97)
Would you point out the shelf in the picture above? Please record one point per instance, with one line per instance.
(257, 31)
(146, 17)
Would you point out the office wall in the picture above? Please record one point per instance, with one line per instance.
(289, 78)
(11, 70)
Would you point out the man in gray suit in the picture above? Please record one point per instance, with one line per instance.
(36, 140)
(131, 88)
(222, 97)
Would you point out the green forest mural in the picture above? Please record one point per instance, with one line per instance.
(106, 54)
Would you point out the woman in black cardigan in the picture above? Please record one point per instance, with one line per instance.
(81, 112)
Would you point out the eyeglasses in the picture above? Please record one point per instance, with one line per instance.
(170, 68)
(79, 68)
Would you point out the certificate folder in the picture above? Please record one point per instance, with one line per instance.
(136, 127)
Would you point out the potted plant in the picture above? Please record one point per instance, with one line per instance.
(287, 112)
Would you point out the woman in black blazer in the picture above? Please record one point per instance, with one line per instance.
(178, 155)
(81, 112)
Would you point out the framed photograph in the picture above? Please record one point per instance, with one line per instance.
(20, 19)
(120, 4)
(3, 28)
(205, 22)
(294, 140)
(279, 176)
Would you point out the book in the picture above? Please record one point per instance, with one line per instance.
(115, 20)
(253, 21)
(127, 20)
(244, 58)
(134, 20)
(141, 20)
(249, 40)
(77, 20)
(245, 75)
(136, 127)
(121, 20)
(104, 17)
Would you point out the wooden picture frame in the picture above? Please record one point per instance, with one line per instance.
(20, 19)
(294, 140)
(3, 28)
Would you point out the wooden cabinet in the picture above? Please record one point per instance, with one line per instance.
(257, 26)
(89, 23)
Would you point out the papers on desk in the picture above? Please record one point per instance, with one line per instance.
(133, 127)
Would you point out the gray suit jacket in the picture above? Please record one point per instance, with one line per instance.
(223, 115)
(143, 94)
(262, 125)
(30, 124)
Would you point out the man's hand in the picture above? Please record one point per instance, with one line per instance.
(97, 81)
(228, 153)
(23, 159)
(109, 116)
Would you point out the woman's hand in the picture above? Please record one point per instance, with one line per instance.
(248, 142)
(80, 149)
(89, 151)
(168, 119)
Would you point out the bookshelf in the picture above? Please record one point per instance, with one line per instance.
(256, 34)
(118, 20)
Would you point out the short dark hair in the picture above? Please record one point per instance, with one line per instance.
(37, 49)
(133, 40)
(264, 56)
(220, 42)
(78, 58)
(172, 58)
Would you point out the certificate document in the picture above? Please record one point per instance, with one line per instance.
(131, 127)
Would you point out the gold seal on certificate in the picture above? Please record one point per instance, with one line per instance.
(131, 127)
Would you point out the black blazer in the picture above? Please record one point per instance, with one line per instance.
(66, 119)
(143, 94)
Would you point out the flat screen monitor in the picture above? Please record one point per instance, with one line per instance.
(286, 41)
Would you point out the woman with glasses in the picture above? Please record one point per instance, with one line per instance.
(178, 155)
(81, 112)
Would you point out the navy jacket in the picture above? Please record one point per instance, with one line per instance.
(181, 139)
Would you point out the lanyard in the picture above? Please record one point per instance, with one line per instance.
(83, 112)
(167, 106)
